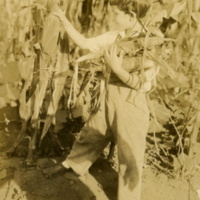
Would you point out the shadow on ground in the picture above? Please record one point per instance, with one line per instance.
(20, 183)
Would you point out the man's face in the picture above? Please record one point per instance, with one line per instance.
(121, 20)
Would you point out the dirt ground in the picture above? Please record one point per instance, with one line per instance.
(19, 182)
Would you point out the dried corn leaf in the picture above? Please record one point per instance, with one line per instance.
(26, 68)
(47, 124)
(73, 88)
(26, 107)
(59, 83)
(50, 35)
(39, 98)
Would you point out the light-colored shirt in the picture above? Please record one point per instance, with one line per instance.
(102, 41)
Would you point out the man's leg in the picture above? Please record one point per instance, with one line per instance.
(130, 125)
(93, 138)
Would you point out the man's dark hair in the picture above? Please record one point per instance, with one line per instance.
(140, 7)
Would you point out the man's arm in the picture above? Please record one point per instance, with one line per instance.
(132, 80)
(77, 37)
(91, 44)
(115, 63)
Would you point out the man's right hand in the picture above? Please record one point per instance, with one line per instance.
(60, 14)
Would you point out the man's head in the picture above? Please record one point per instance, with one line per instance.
(126, 12)
(139, 7)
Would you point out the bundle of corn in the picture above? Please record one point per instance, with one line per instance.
(138, 48)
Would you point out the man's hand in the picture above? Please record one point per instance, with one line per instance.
(60, 14)
(114, 61)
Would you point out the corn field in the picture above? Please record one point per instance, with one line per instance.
(40, 76)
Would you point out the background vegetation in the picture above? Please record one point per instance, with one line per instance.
(38, 76)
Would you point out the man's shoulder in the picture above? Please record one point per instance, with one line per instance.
(109, 34)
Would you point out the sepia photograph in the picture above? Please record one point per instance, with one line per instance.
(99, 99)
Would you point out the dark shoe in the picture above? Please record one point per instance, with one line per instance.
(54, 170)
